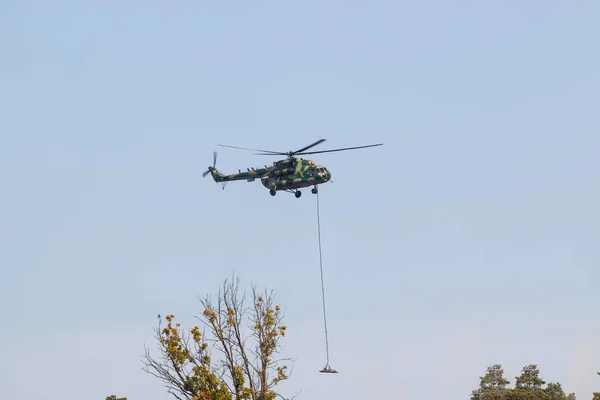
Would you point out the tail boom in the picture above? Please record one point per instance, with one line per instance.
(250, 175)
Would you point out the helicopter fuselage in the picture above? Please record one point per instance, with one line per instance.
(295, 173)
(289, 174)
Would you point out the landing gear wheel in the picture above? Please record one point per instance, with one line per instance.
(298, 194)
(273, 192)
(314, 191)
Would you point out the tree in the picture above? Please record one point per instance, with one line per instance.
(554, 391)
(529, 378)
(597, 394)
(188, 368)
(492, 385)
(528, 385)
(113, 397)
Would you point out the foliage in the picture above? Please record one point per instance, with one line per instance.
(492, 385)
(113, 397)
(528, 386)
(188, 368)
(554, 391)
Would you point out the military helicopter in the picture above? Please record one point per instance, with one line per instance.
(289, 174)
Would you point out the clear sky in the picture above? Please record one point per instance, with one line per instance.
(470, 238)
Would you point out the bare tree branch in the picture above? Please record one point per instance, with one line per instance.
(239, 370)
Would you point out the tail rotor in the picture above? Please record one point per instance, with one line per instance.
(208, 171)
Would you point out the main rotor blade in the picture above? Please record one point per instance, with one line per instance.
(343, 149)
(272, 154)
(309, 146)
(244, 148)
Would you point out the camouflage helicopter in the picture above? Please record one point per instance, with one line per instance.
(289, 174)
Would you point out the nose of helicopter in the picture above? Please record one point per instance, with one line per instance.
(327, 174)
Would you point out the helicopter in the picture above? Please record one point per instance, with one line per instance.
(290, 174)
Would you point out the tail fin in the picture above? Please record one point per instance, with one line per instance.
(217, 176)
(213, 170)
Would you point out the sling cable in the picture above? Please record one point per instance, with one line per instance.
(327, 368)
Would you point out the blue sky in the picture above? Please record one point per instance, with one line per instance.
(468, 239)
